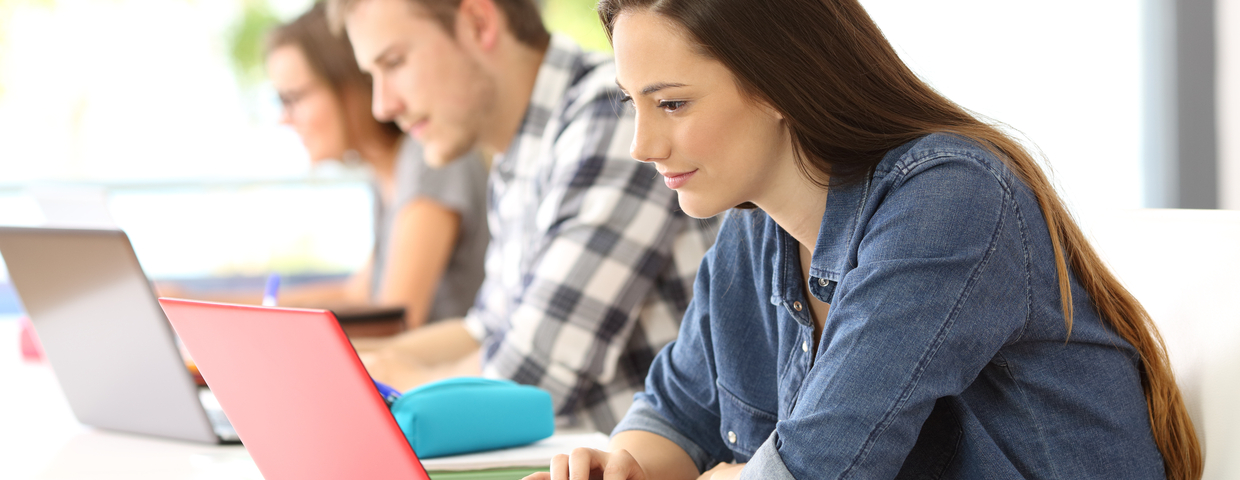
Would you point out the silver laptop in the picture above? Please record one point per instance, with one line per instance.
(113, 351)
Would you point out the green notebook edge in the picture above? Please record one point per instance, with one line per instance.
(492, 474)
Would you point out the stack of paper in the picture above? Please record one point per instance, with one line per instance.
(511, 463)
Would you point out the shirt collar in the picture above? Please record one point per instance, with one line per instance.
(831, 258)
(555, 76)
(784, 268)
(834, 253)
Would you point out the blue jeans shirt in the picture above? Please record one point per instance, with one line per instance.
(944, 355)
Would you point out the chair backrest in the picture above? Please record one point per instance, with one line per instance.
(1184, 267)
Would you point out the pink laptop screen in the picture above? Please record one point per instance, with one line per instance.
(294, 389)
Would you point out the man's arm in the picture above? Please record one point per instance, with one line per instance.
(433, 352)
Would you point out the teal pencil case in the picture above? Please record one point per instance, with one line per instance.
(471, 414)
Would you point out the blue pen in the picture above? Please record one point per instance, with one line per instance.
(271, 290)
(389, 394)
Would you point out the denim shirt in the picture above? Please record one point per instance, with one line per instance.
(944, 355)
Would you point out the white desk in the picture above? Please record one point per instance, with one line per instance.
(40, 438)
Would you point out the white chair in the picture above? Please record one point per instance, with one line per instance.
(1184, 267)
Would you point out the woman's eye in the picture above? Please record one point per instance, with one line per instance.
(626, 99)
(392, 63)
(671, 106)
(289, 99)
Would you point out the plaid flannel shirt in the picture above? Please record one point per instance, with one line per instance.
(591, 263)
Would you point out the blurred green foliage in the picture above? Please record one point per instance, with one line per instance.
(577, 19)
(246, 39)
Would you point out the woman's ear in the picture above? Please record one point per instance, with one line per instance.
(771, 110)
(762, 103)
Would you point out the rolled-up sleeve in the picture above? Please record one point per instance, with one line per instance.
(641, 416)
(766, 463)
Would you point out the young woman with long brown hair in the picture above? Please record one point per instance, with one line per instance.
(909, 299)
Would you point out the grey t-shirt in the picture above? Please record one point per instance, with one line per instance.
(460, 186)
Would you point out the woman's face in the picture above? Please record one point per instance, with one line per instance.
(310, 106)
(713, 144)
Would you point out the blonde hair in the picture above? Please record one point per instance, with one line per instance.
(523, 17)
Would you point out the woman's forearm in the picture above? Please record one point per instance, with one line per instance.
(659, 457)
(423, 237)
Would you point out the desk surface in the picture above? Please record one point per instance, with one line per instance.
(40, 438)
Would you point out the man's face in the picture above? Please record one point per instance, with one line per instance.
(423, 80)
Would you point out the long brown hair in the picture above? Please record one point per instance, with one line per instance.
(848, 99)
(329, 56)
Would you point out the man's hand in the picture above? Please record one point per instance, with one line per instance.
(434, 352)
(403, 373)
(387, 367)
(588, 463)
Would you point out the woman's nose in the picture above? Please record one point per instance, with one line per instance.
(649, 141)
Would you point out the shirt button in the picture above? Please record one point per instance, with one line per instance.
(805, 346)
(732, 437)
(796, 306)
(822, 282)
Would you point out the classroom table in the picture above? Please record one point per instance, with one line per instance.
(41, 439)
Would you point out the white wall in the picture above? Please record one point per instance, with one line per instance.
(132, 92)
(1228, 31)
(1066, 73)
(128, 90)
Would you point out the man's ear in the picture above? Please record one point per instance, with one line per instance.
(479, 22)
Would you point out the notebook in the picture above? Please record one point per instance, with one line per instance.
(109, 344)
(295, 390)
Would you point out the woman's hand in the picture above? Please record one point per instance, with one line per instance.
(661, 459)
(723, 471)
(588, 463)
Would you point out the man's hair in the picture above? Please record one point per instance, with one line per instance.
(523, 16)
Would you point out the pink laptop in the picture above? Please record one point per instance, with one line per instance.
(295, 391)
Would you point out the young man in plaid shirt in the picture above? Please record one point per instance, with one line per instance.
(591, 262)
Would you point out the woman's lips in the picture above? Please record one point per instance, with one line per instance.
(677, 180)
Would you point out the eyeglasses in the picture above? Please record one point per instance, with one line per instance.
(290, 98)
